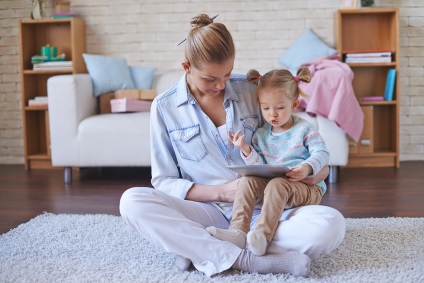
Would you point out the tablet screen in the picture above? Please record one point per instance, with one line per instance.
(265, 170)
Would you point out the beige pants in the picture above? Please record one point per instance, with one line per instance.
(274, 195)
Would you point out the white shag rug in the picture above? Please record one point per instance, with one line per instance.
(102, 248)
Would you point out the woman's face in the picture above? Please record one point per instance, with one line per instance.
(209, 78)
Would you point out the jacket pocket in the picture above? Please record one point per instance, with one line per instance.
(250, 124)
(189, 143)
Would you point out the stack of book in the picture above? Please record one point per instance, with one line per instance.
(38, 101)
(368, 56)
(63, 15)
(57, 65)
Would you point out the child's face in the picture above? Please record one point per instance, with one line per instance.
(277, 108)
(209, 78)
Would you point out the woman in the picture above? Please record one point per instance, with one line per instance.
(194, 188)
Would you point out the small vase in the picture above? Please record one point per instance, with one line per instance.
(37, 10)
(40, 9)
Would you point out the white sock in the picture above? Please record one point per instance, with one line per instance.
(235, 236)
(256, 242)
(290, 262)
(182, 263)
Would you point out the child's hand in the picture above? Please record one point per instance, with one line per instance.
(299, 172)
(238, 141)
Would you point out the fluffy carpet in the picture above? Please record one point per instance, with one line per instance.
(102, 248)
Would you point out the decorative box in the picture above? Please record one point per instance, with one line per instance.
(143, 94)
(129, 105)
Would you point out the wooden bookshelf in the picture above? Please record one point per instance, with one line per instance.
(69, 37)
(373, 29)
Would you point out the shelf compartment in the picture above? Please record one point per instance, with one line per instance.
(385, 128)
(42, 33)
(378, 137)
(36, 123)
(65, 34)
(382, 23)
(371, 81)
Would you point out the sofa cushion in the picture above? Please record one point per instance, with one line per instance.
(142, 76)
(306, 48)
(108, 73)
(115, 140)
(163, 82)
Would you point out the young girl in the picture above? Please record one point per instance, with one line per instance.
(285, 139)
(194, 189)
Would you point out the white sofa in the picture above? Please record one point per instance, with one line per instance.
(82, 138)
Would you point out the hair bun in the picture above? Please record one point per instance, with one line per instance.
(201, 21)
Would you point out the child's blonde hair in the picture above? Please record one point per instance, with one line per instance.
(281, 79)
(208, 42)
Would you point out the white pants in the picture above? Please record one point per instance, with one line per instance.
(178, 226)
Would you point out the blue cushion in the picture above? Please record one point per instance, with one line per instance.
(304, 49)
(108, 73)
(142, 76)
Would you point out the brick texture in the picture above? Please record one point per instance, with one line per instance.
(147, 32)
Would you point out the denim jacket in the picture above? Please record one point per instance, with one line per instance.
(186, 145)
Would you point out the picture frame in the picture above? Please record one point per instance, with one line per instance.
(349, 4)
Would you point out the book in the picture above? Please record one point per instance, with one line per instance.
(384, 59)
(372, 98)
(369, 54)
(38, 101)
(390, 85)
(63, 15)
(367, 51)
(56, 65)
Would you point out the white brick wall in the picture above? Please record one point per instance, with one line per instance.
(145, 32)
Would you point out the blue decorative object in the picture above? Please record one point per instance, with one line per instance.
(306, 48)
(142, 76)
(108, 73)
(390, 85)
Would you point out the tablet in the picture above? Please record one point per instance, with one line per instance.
(266, 170)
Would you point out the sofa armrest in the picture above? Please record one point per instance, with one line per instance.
(70, 101)
(335, 138)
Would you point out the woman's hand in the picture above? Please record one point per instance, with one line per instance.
(228, 191)
(239, 141)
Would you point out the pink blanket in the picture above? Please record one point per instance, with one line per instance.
(330, 94)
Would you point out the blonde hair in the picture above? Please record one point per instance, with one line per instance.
(208, 42)
(281, 79)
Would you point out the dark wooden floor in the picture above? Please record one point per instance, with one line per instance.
(360, 192)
